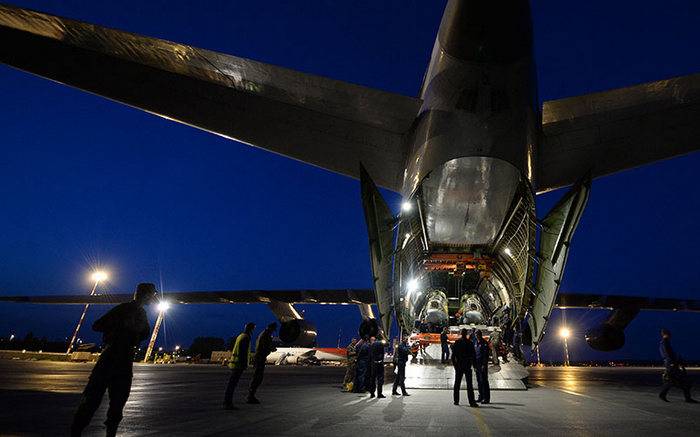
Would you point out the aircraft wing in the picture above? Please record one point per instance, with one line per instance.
(347, 296)
(571, 300)
(324, 122)
(610, 131)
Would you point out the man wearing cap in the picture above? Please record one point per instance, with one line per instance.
(263, 347)
(122, 328)
(238, 363)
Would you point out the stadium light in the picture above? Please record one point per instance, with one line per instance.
(99, 276)
(163, 306)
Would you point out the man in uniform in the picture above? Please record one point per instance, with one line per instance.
(238, 363)
(363, 363)
(463, 356)
(263, 348)
(376, 360)
(122, 328)
(482, 367)
(675, 374)
(445, 346)
(351, 354)
(401, 355)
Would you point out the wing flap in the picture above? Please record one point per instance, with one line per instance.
(324, 122)
(607, 132)
(341, 296)
(599, 301)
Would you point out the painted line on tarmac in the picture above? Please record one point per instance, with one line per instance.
(622, 405)
(484, 429)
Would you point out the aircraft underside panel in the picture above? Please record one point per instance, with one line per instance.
(380, 231)
(466, 200)
(557, 230)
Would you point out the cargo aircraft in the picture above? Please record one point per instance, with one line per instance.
(468, 155)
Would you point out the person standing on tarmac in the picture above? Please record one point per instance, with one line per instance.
(122, 328)
(238, 363)
(362, 371)
(482, 368)
(675, 374)
(445, 346)
(376, 359)
(263, 348)
(463, 356)
(351, 354)
(401, 358)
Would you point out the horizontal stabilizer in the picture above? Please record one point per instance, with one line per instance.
(324, 122)
(607, 132)
(347, 296)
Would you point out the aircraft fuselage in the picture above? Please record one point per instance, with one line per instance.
(466, 241)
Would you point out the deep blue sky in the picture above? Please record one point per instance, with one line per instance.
(85, 181)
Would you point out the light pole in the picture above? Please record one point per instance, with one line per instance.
(162, 308)
(97, 276)
(565, 333)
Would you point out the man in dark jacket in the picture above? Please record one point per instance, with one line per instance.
(482, 367)
(263, 348)
(362, 369)
(376, 360)
(463, 356)
(675, 374)
(122, 328)
(238, 363)
(444, 343)
(401, 358)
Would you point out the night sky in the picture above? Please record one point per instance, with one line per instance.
(86, 182)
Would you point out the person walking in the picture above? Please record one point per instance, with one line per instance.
(263, 348)
(675, 373)
(376, 359)
(445, 344)
(122, 328)
(482, 367)
(238, 363)
(463, 356)
(401, 359)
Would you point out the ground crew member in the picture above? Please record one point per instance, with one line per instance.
(675, 374)
(445, 346)
(401, 358)
(122, 328)
(263, 348)
(351, 354)
(482, 350)
(362, 373)
(238, 363)
(463, 356)
(376, 359)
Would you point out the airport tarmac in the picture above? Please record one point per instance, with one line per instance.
(39, 398)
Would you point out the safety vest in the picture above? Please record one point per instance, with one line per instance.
(239, 359)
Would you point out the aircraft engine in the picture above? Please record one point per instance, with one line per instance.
(299, 332)
(605, 337)
(610, 335)
(435, 311)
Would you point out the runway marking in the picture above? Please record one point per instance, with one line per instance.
(357, 401)
(484, 429)
(641, 410)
